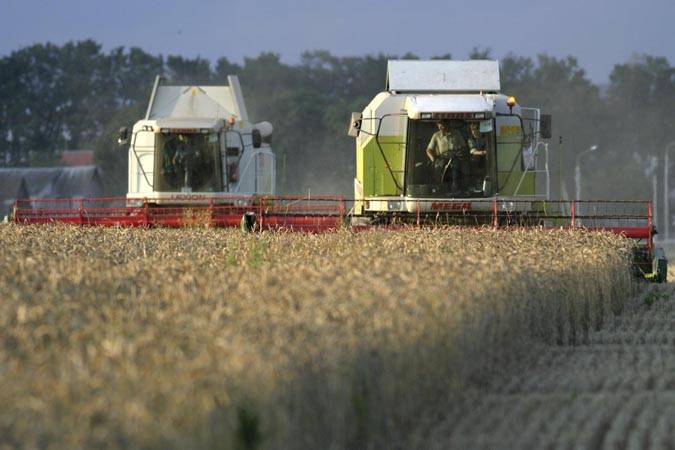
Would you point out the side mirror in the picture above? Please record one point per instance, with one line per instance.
(545, 126)
(256, 138)
(355, 124)
(122, 136)
(266, 129)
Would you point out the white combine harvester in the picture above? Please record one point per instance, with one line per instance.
(196, 144)
(194, 159)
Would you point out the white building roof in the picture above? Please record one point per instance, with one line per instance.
(443, 76)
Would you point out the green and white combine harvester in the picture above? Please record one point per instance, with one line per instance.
(503, 180)
(490, 166)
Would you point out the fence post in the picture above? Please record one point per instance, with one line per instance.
(81, 211)
(261, 208)
(15, 212)
(343, 211)
(650, 224)
(495, 219)
(417, 209)
(573, 210)
(146, 219)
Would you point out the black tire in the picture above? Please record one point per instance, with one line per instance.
(248, 222)
(661, 271)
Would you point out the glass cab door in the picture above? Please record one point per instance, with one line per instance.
(450, 158)
(188, 162)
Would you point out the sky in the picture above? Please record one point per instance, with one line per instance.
(600, 33)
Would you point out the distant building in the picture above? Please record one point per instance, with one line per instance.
(12, 187)
(47, 182)
(77, 157)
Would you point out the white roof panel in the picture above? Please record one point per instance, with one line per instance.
(219, 101)
(418, 104)
(443, 76)
(192, 101)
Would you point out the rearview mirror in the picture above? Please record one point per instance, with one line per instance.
(545, 126)
(256, 138)
(355, 124)
(122, 136)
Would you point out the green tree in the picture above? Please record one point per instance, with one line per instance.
(75, 95)
(559, 87)
(185, 69)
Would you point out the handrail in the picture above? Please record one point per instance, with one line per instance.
(138, 159)
(535, 154)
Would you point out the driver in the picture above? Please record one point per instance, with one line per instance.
(448, 149)
(182, 151)
(476, 141)
(182, 160)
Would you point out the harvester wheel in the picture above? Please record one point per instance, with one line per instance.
(659, 266)
(662, 271)
(247, 221)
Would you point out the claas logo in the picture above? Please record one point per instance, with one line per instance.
(509, 130)
(451, 206)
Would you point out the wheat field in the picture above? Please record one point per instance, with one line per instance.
(209, 338)
(616, 391)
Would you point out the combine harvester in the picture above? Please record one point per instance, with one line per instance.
(496, 174)
(194, 159)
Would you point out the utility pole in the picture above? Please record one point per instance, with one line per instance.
(666, 206)
(577, 175)
(560, 168)
(666, 190)
(654, 197)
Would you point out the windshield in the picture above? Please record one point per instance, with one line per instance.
(188, 162)
(450, 158)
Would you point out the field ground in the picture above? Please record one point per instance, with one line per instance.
(616, 391)
(202, 338)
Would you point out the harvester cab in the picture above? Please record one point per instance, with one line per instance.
(196, 143)
(440, 131)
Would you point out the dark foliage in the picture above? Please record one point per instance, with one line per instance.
(76, 96)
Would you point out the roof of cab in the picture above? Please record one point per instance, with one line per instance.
(443, 76)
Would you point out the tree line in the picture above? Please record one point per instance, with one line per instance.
(76, 95)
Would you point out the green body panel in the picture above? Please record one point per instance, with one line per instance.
(371, 169)
(372, 172)
(509, 155)
(509, 189)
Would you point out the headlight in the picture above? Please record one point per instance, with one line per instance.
(508, 206)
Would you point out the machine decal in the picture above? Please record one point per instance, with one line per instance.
(187, 197)
(451, 206)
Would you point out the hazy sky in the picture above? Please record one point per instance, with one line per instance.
(599, 33)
